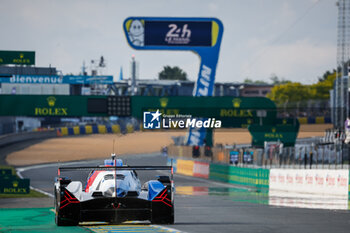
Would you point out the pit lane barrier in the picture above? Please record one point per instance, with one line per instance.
(314, 181)
(253, 177)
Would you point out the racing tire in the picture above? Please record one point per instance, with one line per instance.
(163, 218)
(170, 219)
(60, 221)
(64, 222)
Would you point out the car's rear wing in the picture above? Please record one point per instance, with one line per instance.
(115, 168)
(112, 168)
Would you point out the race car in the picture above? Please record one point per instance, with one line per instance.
(114, 194)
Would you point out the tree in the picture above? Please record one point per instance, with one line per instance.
(289, 92)
(296, 92)
(326, 74)
(250, 81)
(275, 80)
(320, 90)
(172, 73)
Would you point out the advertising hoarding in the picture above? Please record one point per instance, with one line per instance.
(56, 79)
(17, 57)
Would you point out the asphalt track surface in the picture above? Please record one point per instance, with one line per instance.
(205, 206)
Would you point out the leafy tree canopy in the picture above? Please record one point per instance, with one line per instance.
(250, 81)
(172, 73)
(293, 92)
(274, 80)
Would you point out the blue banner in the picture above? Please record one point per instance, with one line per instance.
(180, 33)
(200, 35)
(55, 79)
(101, 79)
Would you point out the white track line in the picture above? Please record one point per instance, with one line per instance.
(23, 169)
(31, 187)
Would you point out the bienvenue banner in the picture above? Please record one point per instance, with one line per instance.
(55, 79)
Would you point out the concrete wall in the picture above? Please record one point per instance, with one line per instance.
(20, 137)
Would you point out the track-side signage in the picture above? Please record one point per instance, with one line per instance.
(17, 57)
(55, 79)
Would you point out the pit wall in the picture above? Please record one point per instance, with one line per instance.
(252, 177)
(288, 181)
(315, 181)
(92, 129)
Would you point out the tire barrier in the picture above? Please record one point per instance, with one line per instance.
(129, 128)
(314, 120)
(92, 129)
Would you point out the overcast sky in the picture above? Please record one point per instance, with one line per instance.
(294, 39)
